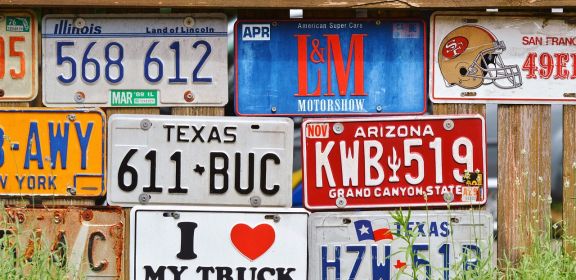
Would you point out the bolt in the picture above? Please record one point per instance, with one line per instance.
(1, 93)
(338, 128)
(20, 217)
(274, 23)
(273, 109)
(378, 22)
(341, 202)
(58, 217)
(79, 97)
(276, 218)
(145, 124)
(188, 96)
(87, 215)
(189, 21)
(71, 190)
(144, 198)
(378, 108)
(79, 22)
(455, 220)
(448, 197)
(448, 124)
(71, 117)
(255, 201)
(175, 215)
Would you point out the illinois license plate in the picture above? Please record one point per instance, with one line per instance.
(52, 152)
(18, 55)
(330, 67)
(375, 245)
(394, 162)
(503, 58)
(200, 160)
(214, 243)
(135, 60)
(89, 241)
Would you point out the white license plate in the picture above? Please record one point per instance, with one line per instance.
(200, 160)
(211, 243)
(18, 55)
(135, 60)
(368, 245)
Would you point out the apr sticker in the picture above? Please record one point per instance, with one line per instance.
(17, 24)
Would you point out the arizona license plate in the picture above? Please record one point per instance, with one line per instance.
(330, 67)
(89, 241)
(218, 243)
(135, 60)
(200, 160)
(394, 162)
(379, 246)
(502, 58)
(18, 55)
(52, 152)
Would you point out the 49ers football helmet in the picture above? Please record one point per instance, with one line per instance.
(469, 56)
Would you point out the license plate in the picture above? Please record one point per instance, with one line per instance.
(200, 160)
(508, 58)
(18, 55)
(92, 238)
(52, 152)
(135, 60)
(214, 243)
(373, 245)
(394, 162)
(330, 67)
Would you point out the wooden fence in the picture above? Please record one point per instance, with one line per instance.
(524, 131)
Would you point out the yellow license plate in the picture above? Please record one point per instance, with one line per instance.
(52, 152)
(18, 55)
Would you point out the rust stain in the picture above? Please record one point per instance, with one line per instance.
(117, 232)
(87, 215)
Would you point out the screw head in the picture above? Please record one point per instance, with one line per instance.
(341, 202)
(71, 117)
(175, 215)
(448, 197)
(255, 201)
(338, 128)
(79, 97)
(273, 109)
(145, 124)
(274, 23)
(188, 96)
(79, 22)
(189, 21)
(379, 108)
(448, 124)
(71, 190)
(144, 198)
(20, 217)
(87, 215)
(378, 22)
(57, 217)
(276, 218)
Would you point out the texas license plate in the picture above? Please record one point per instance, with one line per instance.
(52, 152)
(379, 246)
(502, 58)
(18, 55)
(135, 60)
(330, 67)
(200, 160)
(89, 241)
(394, 162)
(218, 243)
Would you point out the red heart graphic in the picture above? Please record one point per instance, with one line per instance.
(252, 242)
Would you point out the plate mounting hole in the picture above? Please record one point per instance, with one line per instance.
(255, 126)
(346, 221)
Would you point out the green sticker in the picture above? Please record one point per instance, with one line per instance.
(134, 97)
(17, 24)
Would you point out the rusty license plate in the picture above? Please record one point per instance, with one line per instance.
(93, 238)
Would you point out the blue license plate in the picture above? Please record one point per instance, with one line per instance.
(330, 67)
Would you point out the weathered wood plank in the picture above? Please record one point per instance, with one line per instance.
(569, 177)
(422, 4)
(524, 157)
(447, 109)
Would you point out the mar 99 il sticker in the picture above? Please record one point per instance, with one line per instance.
(504, 58)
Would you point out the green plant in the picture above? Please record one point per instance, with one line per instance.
(26, 254)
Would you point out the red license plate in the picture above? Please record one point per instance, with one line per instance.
(393, 162)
